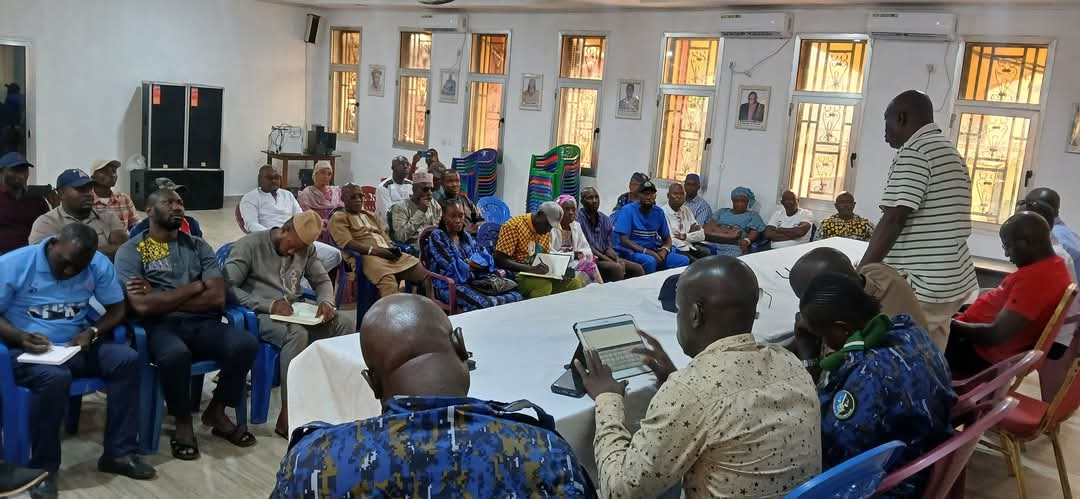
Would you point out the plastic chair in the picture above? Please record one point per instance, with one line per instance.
(493, 210)
(1050, 331)
(366, 292)
(950, 458)
(16, 406)
(1033, 418)
(992, 384)
(240, 220)
(265, 369)
(855, 478)
(450, 306)
(487, 235)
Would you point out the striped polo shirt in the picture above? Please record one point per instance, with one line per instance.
(929, 176)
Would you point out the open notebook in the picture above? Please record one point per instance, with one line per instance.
(303, 313)
(556, 263)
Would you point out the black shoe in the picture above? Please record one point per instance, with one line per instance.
(14, 480)
(46, 489)
(131, 467)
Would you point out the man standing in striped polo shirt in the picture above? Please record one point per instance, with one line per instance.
(925, 208)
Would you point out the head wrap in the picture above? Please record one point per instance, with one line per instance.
(744, 192)
(322, 165)
(564, 198)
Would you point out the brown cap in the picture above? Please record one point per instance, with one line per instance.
(308, 226)
(102, 163)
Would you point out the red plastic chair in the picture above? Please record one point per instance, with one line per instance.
(950, 458)
(1050, 332)
(1034, 418)
(451, 307)
(992, 385)
(369, 197)
(240, 220)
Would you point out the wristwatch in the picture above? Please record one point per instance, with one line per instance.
(809, 363)
(94, 332)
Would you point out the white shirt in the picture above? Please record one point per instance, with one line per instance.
(679, 222)
(262, 210)
(781, 220)
(1067, 331)
(387, 194)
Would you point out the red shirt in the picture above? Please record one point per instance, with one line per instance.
(16, 218)
(1033, 291)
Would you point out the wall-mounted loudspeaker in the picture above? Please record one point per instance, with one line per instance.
(312, 28)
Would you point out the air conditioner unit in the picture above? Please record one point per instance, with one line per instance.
(443, 22)
(755, 25)
(912, 26)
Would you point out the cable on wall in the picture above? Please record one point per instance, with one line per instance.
(948, 76)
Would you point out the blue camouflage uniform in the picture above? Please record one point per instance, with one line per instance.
(433, 447)
(901, 390)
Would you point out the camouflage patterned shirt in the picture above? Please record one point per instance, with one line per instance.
(431, 447)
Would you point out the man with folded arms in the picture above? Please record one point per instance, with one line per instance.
(265, 269)
(642, 229)
(741, 420)
(175, 286)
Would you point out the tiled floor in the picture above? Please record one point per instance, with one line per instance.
(227, 471)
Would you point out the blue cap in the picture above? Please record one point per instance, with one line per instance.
(73, 178)
(13, 159)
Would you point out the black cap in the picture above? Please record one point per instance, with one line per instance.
(667, 294)
(647, 186)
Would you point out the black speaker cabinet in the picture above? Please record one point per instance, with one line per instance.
(163, 111)
(204, 126)
(205, 188)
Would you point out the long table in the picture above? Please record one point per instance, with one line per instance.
(521, 348)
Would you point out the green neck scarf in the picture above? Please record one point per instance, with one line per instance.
(872, 335)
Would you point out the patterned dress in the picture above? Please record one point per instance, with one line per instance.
(855, 227)
(452, 260)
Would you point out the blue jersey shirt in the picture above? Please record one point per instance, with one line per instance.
(901, 390)
(646, 229)
(431, 447)
(33, 300)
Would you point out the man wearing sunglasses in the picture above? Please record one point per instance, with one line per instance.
(431, 436)
(409, 217)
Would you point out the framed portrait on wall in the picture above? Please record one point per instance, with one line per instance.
(753, 105)
(376, 80)
(532, 91)
(629, 96)
(1073, 145)
(448, 85)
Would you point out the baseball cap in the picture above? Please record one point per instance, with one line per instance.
(647, 186)
(553, 212)
(102, 163)
(13, 159)
(72, 178)
(167, 183)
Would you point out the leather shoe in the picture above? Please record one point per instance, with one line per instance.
(47, 489)
(130, 466)
(14, 479)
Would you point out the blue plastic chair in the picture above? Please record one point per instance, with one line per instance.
(265, 370)
(493, 210)
(16, 406)
(487, 235)
(366, 292)
(856, 478)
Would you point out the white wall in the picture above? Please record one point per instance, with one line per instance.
(88, 58)
(740, 157)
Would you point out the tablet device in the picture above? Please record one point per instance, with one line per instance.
(614, 338)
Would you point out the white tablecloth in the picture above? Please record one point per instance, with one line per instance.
(520, 348)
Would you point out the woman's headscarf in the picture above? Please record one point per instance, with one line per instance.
(745, 192)
(564, 198)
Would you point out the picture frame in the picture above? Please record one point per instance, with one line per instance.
(1072, 142)
(628, 99)
(448, 85)
(376, 80)
(753, 115)
(532, 92)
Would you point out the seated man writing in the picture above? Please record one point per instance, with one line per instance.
(741, 420)
(76, 190)
(643, 231)
(175, 286)
(1010, 318)
(265, 269)
(45, 292)
(409, 217)
(884, 381)
(432, 439)
(520, 239)
(356, 229)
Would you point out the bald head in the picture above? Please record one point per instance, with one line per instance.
(906, 114)
(1026, 238)
(410, 349)
(717, 297)
(1046, 195)
(816, 262)
(269, 179)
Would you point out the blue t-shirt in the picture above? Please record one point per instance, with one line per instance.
(33, 300)
(645, 229)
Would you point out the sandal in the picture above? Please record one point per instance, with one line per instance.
(238, 436)
(184, 451)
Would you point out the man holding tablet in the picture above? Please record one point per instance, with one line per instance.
(741, 420)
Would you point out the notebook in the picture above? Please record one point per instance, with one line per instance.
(556, 263)
(54, 357)
(304, 313)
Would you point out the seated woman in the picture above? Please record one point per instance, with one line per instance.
(452, 252)
(732, 230)
(884, 381)
(569, 238)
(321, 197)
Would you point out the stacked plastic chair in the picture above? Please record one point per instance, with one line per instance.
(552, 174)
(570, 155)
(477, 172)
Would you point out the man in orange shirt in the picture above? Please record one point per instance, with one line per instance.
(1010, 318)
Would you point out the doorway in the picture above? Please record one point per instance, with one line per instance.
(14, 129)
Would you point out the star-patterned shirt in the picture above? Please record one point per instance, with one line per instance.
(741, 420)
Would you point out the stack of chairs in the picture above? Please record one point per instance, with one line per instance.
(552, 174)
(570, 155)
(477, 172)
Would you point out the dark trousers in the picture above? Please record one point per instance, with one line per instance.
(49, 386)
(175, 342)
(963, 360)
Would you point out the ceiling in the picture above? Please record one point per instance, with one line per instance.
(564, 5)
